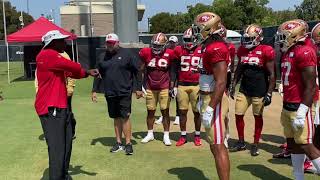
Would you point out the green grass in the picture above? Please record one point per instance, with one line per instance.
(24, 153)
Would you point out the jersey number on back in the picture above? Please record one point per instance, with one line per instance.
(185, 65)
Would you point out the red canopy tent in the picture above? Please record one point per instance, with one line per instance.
(34, 32)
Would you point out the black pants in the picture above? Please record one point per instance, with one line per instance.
(58, 133)
(73, 120)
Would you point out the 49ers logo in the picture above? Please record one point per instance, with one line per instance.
(204, 18)
(291, 25)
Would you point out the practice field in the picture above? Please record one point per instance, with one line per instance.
(24, 152)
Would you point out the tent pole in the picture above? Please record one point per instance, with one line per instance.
(72, 50)
(5, 38)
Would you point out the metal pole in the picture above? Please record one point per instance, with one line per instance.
(28, 6)
(5, 38)
(90, 15)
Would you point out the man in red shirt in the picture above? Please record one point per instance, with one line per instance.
(215, 56)
(256, 74)
(298, 74)
(157, 62)
(51, 101)
(189, 56)
(314, 42)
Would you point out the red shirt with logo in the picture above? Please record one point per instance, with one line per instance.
(254, 82)
(189, 61)
(293, 62)
(52, 70)
(213, 53)
(257, 56)
(157, 68)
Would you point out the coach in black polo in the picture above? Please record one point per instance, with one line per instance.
(118, 69)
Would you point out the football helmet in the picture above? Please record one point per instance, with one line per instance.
(315, 34)
(189, 38)
(289, 33)
(252, 36)
(158, 43)
(208, 23)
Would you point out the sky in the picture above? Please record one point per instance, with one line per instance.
(38, 7)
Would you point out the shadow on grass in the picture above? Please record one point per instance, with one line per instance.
(73, 170)
(22, 78)
(273, 138)
(108, 141)
(187, 173)
(262, 172)
(280, 161)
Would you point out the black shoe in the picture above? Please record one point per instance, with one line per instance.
(129, 149)
(116, 148)
(254, 151)
(239, 146)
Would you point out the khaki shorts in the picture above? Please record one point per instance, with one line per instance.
(302, 136)
(161, 96)
(243, 102)
(215, 134)
(186, 95)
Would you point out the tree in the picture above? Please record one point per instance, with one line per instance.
(12, 19)
(230, 14)
(309, 10)
(162, 22)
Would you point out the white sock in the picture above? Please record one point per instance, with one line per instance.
(316, 164)
(297, 163)
(150, 133)
(197, 133)
(183, 133)
(166, 133)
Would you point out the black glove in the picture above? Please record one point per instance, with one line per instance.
(267, 99)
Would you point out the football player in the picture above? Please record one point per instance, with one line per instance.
(315, 35)
(172, 43)
(189, 55)
(256, 69)
(215, 57)
(298, 74)
(157, 62)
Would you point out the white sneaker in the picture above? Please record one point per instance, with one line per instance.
(176, 120)
(166, 140)
(159, 120)
(148, 138)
